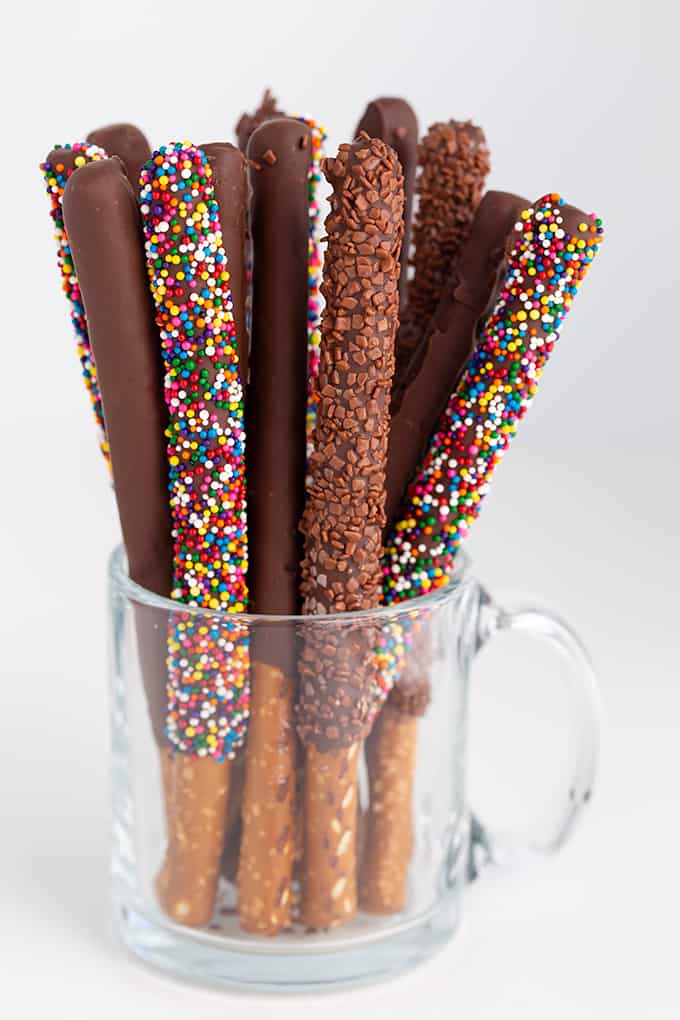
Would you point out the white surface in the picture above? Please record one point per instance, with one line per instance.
(573, 96)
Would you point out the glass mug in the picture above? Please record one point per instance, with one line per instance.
(420, 838)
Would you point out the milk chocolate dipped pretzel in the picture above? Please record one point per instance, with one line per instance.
(249, 122)
(394, 120)
(439, 360)
(105, 232)
(208, 688)
(127, 142)
(344, 510)
(454, 163)
(57, 168)
(230, 183)
(280, 153)
(553, 247)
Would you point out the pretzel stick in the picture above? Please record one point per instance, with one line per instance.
(344, 511)
(553, 248)
(208, 688)
(280, 154)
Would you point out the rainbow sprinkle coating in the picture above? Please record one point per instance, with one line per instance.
(315, 273)
(544, 270)
(208, 687)
(55, 181)
(208, 664)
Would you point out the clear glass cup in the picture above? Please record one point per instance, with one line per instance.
(416, 843)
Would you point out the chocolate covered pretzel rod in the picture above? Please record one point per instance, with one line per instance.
(104, 227)
(249, 122)
(57, 168)
(208, 688)
(454, 162)
(344, 510)
(438, 362)
(394, 120)
(553, 247)
(127, 142)
(280, 153)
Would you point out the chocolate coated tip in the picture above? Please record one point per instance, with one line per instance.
(127, 142)
(277, 137)
(98, 185)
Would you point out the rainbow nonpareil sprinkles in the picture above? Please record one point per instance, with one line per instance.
(208, 664)
(314, 269)
(545, 267)
(56, 175)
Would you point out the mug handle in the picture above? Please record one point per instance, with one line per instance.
(494, 619)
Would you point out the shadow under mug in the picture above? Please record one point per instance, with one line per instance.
(439, 844)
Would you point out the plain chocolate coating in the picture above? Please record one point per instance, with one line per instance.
(280, 151)
(128, 143)
(394, 121)
(439, 361)
(104, 229)
(248, 122)
(230, 180)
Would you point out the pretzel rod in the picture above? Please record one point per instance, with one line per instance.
(553, 248)
(434, 372)
(57, 168)
(280, 153)
(438, 362)
(104, 227)
(344, 511)
(128, 143)
(394, 121)
(454, 162)
(208, 661)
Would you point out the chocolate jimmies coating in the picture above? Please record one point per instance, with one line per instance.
(394, 121)
(344, 512)
(454, 162)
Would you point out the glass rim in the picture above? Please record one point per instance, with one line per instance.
(119, 577)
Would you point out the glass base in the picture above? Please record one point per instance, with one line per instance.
(291, 962)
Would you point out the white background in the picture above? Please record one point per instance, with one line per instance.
(574, 96)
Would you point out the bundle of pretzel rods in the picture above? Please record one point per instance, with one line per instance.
(272, 458)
